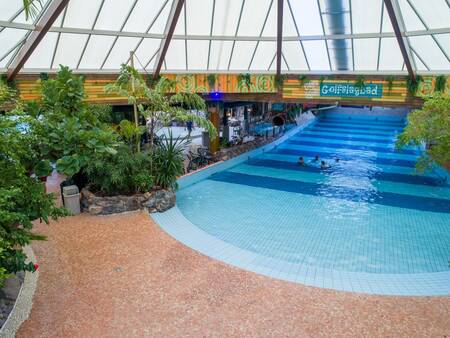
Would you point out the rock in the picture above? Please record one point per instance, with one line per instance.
(154, 201)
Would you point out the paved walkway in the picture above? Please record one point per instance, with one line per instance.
(122, 276)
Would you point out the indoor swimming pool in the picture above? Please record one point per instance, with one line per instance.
(365, 221)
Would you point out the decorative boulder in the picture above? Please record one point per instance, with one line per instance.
(154, 201)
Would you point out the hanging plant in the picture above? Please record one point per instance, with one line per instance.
(303, 79)
(152, 81)
(439, 83)
(413, 84)
(359, 82)
(279, 81)
(390, 82)
(211, 78)
(43, 76)
(245, 79)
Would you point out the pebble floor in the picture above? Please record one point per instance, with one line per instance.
(122, 276)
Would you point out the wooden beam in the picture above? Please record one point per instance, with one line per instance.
(45, 22)
(398, 35)
(168, 33)
(279, 35)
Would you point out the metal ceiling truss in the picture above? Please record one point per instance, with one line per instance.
(280, 13)
(260, 34)
(298, 33)
(90, 34)
(323, 29)
(235, 34)
(148, 30)
(228, 37)
(46, 20)
(171, 23)
(392, 7)
(427, 28)
(121, 29)
(396, 18)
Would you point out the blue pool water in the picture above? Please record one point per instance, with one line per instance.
(368, 213)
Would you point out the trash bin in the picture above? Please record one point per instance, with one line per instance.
(71, 198)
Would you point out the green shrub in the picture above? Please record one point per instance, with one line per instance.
(121, 173)
(22, 198)
(431, 126)
(169, 161)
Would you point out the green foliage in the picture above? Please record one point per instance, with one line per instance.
(70, 132)
(8, 95)
(431, 126)
(102, 112)
(124, 172)
(43, 168)
(390, 82)
(32, 8)
(303, 79)
(245, 79)
(22, 198)
(211, 78)
(130, 133)
(359, 82)
(63, 94)
(413, 84)
(169, 161)
(440, 82)
(322, 79)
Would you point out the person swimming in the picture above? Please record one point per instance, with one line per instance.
(315, 159)
(301, 161)
(324, 165)
(337, 160)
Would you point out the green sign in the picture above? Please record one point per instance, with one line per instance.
(345, 89)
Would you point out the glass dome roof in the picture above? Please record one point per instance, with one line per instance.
(234, 36)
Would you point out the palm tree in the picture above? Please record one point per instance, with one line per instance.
(32, 8)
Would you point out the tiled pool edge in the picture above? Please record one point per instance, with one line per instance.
(176, 225)
(425, 284)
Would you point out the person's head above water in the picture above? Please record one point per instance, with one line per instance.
(316, 157)
(337, 159)
(322, 163)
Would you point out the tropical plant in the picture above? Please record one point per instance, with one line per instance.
(157, 106)
(440, 83)
(169, 161)
(68, 132)
(359, 82)
(390, 82)
(122, 173)
(32, 8)
(430, 126)
(412, 84)
(211, 78)
(130, 133)
(322, 79)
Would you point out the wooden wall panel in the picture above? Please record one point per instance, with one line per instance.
(228, 84)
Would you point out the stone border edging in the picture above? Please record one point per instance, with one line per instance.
(24, 302)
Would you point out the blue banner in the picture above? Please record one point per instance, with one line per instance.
(345, 89)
